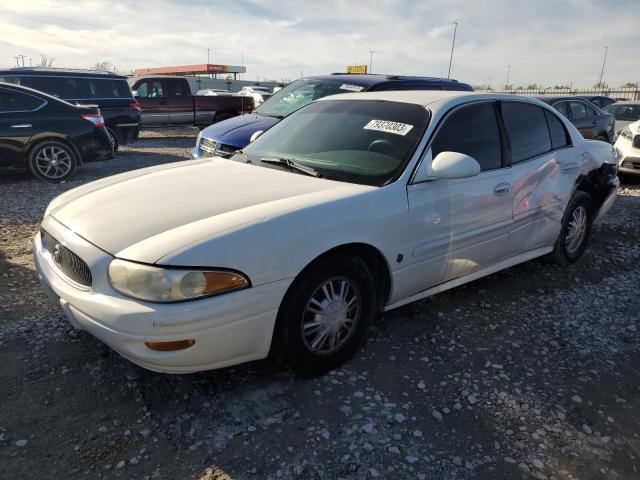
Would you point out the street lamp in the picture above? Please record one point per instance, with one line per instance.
(606, 50)
(455, 29)
(371, 52)
(506, 85)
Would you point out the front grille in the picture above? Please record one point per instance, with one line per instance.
(636, 141)
(208, 146)
(67, 262)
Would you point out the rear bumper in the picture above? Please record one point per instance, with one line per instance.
(95, 146)
(228, 329)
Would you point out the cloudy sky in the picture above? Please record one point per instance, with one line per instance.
(548, 42)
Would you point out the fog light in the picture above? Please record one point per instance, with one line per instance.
(170, 346)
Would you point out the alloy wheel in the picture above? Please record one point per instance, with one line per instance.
(53, 162)
(576, 230)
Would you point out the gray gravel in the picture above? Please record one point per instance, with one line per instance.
(529, 373)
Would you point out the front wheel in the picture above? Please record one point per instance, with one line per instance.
(52, 161)
(575, 231)
(326, 314)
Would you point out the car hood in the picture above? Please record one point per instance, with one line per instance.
(177, 204)
(237, 131)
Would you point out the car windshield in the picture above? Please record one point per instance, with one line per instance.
(624, 112)
(301, 92)
(358, 141)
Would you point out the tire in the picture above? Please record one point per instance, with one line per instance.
(344, 323)
(116, 139)
(52, 161)
(571, 243)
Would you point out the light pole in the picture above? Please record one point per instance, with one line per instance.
(208, 51)
(371, 52)
(506, 85)
(453, 43)
(606, 50)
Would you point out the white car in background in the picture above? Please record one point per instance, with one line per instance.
(259, 94)
(356, 203)
(627, 148)
(624, 113)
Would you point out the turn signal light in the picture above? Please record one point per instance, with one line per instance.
(170, 346)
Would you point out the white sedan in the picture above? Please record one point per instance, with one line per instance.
(355, 204)
(628, 149)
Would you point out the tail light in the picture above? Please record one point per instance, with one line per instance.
(97, 120)
(135, 106)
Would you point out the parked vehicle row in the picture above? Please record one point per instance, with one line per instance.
(360, 202)
(168, 101)
(225, 138)
(624, 113)
(107, 91)
(48, 136)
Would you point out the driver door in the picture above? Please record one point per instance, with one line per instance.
(459, 226)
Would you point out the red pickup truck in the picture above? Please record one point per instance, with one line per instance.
(169, 101)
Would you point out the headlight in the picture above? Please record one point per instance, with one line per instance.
(156, 284)
(626, 133)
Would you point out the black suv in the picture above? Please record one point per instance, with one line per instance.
(110, 92)
(48, 136)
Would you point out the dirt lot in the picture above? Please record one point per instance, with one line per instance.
(533, 372)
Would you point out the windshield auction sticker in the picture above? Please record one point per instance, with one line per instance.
(351, 88)
(389, 127)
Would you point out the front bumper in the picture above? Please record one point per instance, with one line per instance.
(628, 156)
(227, 329)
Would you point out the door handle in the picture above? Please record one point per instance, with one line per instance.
(502, 189)
(21, 125)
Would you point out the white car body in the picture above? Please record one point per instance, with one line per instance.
(270, 224)
(628, 150)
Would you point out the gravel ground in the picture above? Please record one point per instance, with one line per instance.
(532, 372)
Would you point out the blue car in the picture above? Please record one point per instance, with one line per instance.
(226, 137)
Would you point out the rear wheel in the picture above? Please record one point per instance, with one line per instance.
(575, 231)
(326, 314)
(114, 138)
(52, 161)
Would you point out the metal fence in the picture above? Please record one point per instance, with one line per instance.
(626, 93)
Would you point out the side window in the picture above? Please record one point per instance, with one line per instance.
(180, 89)
(578, 110)
(559, 136)
(18, 102)
(527, 130)
(150, 89)
(472, 130)
(562, 108)
(591, 111)
(108, 88)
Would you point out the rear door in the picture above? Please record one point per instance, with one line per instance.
(152, 97)
(584, 120)
(539, 151)
(17, 114)
(182, 105)
(459, 226)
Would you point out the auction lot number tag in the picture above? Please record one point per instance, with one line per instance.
(389, 127)
(351, 88)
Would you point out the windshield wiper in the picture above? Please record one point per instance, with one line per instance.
(293, 165)
(242, 155)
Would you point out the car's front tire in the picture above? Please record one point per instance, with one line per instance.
(326, 314)
(52, 161)
(575, 231)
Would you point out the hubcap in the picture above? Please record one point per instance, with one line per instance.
(53, 162)
(331, 315)
(576, 230)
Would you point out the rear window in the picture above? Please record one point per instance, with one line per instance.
(527, 129)
(74, 88)
(11, 101)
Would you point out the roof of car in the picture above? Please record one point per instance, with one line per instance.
(371, 79)
(556, 98)
(425, 97)
(58, 72)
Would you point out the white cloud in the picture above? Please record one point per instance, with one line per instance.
(547, 41)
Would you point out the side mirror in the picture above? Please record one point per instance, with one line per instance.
(256, 135)
(446, 165)
(135, 93)
(454, 165)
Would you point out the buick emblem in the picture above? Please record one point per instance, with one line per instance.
(56, 253)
